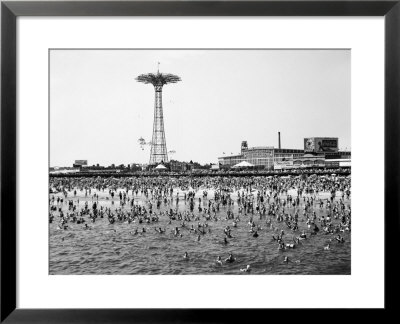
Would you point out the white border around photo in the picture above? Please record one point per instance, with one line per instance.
(363, 288)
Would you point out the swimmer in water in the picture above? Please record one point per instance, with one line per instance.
(186, 256)
(340, 239)
(230, 259)
(290, 245)
(328, 247)
(176, 232)
(247, 269)
(255, 234)
(219, 261)
(286, 260)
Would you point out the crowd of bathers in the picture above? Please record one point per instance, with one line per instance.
(292, 208)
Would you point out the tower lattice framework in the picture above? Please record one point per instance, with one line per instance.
(158, 152)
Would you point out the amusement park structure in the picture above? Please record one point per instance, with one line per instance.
(158, 152)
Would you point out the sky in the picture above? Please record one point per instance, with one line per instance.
(98, 111)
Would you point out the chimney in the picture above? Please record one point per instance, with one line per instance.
(279, 140)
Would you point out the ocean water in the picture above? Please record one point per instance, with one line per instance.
(112, 249)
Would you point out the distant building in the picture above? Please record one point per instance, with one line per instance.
(338, 155)
(80, 163)
(136, 167)
(285, 159)
(214, 167)
(318, 152)
(263, 157)
(323, 152)
(321, 145)
(309, 160)
(177, 166)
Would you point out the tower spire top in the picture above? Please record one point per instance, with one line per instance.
(158, 67)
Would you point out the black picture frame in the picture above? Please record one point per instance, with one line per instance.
(10, 10)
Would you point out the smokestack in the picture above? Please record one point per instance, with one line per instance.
(279, 140)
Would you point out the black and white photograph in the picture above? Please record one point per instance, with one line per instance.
(199, 161)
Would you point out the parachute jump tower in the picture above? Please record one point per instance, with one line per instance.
(158, 152)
